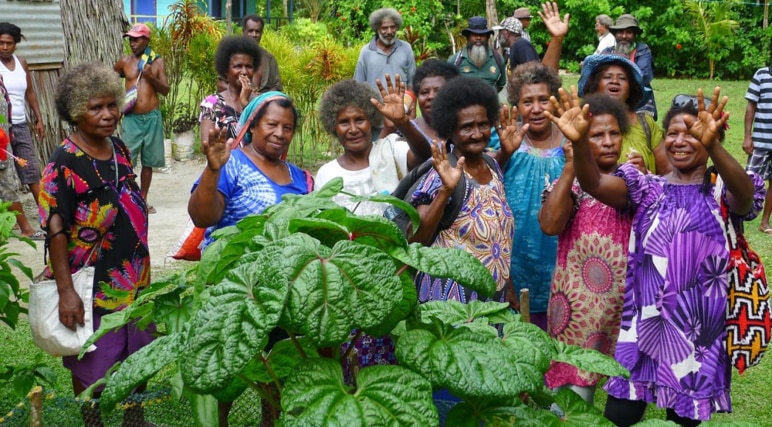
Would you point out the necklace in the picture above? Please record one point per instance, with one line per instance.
(551, 139)
(94, 160)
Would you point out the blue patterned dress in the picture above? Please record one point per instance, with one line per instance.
(526, 175)
(673, 317)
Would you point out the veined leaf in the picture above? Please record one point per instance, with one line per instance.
(116, 320)
(474, 412)
(466, 362)
(315, 395)
(589, 360)
(455, 312)
(451, 263)
(577, 412)
(282, 359)
(140, 367)
(533, 350)
(401, 310)
(331, 291)
(231, 327)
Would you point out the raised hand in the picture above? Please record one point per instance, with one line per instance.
(449, 175)
(510, 133)
(709, 120)
(572, 118)
(246, 89)
(217, 150)
(551, 16)
(393, 95)
(568, 151)
(636, 159)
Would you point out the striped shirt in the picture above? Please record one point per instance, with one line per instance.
(760, 92)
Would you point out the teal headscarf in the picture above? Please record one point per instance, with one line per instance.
(251, 110)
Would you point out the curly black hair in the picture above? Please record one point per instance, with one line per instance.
(433, 68)
(532, 73)
(12, 30)
(348, 93)
(601, 104)
(460, 93)
(82, 83)
(636, 92)
(233, 45)
(689, 108)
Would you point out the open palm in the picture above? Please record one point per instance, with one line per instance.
(393, 95)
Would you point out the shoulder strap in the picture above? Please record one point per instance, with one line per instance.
(458, 60)
(497, 58)
(646, 127)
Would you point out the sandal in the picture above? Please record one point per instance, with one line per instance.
(151, 210)
(38, 235)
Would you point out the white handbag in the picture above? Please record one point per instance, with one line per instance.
(48, 332)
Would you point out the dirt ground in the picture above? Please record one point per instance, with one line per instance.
(169, 192)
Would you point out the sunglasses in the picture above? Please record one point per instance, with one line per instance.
(683, 101)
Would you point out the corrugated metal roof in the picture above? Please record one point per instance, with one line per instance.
(41, 25)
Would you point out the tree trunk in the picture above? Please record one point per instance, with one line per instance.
(490, 11)
(228, 17)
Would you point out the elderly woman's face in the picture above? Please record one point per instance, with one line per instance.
(101, 117)
(240, 65)
(605, 139)
(614, 83)
(353, 129)
(684, 151)
(272, 134)
(473, 130)
(534, 101)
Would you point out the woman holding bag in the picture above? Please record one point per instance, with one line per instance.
(94, 214)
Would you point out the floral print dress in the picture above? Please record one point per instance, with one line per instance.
(97, 210)
(484, 228)
(585, 306)
(672, 337)
(221, 114)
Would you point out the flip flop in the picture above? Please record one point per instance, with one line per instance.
(151, 210)
(765, 230)
(38, 235)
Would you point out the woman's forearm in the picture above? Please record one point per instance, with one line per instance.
(431, 215)
(556, 210)
(206, 205)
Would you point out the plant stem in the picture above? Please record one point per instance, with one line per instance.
(297, 345)
(351, 346)
(271, 372)
(259, 390)
(401, 270)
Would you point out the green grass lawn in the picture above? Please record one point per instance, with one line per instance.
(751, 393)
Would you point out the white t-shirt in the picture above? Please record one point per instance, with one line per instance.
(390, 154)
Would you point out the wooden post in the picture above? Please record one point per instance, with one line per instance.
(228, 18)
(525, 305)
(36, 407)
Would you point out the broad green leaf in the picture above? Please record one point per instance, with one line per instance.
(330, 189)
(283, 358)
(577, 412)
(23, 268)
(654, 422)
(115, 320)
(481, 411)
(315, 395)
(140, 367)
(326, 231)
(174, 310)
(231, 327)
(452, 263)
(455, 312)
(331, 291)
(466, 362)
(401, 310)
(235, 388)
(410, 210)
(533, 346)
(227, 253)
(589, 360)
(375, 231)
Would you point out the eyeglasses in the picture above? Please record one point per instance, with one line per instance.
(683, 101)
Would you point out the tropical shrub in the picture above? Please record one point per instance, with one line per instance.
(316, 271)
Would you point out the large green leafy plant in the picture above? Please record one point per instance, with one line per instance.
(316, 271)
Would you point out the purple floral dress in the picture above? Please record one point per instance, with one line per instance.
(673, 318)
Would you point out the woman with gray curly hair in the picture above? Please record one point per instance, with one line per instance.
(351, 112)
(94, 214)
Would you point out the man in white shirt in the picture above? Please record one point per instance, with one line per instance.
(605, 37)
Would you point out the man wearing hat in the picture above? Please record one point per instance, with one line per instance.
(625, 31)
(385, 54)
(520, 49)
(478, 59)
(524, 16)
(142, 126)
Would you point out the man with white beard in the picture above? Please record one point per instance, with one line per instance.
(478, 59)
(385, 54)
(625, 31)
